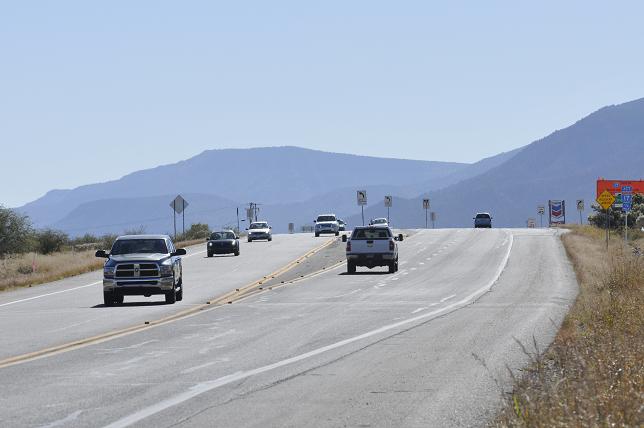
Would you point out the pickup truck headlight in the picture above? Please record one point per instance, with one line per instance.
(210, 244)
(165, 270)
(108, 272)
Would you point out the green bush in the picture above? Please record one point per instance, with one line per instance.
(15, 232)
(50, 241)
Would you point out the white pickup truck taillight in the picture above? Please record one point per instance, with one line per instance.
(392, 245)
(348, 246)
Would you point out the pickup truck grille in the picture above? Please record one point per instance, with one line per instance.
(135, 270)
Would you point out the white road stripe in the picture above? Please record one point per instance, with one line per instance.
(75, 288)
(444, 299)
(51, 294)
(208, 386)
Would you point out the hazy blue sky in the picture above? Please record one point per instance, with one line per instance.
(90, 92)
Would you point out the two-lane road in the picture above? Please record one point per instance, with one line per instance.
(423, 347)
(48, 315)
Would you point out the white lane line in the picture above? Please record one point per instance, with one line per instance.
(50, 294)
(445, 299)
(208, 386)
(65, 421)
(75, 288)
(418, 310)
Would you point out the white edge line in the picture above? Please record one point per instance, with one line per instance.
(204, 387)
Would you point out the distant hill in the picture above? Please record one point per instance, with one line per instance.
(608, 143)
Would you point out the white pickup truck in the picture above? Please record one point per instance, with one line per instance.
(372, 246)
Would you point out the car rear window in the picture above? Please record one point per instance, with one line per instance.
(482, 216)
(326, 218)
(370, 234)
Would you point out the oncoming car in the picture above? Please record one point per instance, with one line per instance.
(142, 265)
(259, 230)
(483, 220)
(327, 223)
(223, 242)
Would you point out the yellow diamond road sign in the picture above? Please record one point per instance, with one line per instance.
(606, 199)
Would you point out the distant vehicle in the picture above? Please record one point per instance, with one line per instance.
(259, 230)
(223, 242)
(372, 246)
(342, 225)
(142, 265)
(327, 223)
(483, 220)
(380, 221)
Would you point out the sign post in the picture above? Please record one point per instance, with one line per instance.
(388, 203)
(541, 210)
(179, 206)
(426, 207)
(362, 201)
(605, 200)
(627, 201)
(432, 216)
(580, 208)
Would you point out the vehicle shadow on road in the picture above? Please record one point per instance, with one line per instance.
(365, 273)
(219, 256)
(130, 304)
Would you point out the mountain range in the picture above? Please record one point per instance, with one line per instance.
(294, 184)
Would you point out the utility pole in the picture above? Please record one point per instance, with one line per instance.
(238, 221)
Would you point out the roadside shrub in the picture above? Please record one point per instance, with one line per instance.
(50, 241)
(196, 231)
(15, 231)
(105, 242)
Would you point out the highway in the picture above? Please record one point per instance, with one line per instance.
(427, 346)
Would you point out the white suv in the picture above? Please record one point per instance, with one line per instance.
(327, 223)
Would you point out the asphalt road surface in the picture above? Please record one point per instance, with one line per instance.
(427, 346)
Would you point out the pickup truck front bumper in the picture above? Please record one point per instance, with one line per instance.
(371, 260)
(139, 286)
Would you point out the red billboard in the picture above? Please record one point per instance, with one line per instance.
(615, 186)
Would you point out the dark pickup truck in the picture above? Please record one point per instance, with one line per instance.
(142, 265)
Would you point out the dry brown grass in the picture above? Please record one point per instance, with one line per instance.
(593, 373)
(18, 271)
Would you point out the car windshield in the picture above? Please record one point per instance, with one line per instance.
(259, 226)
(326, 218)
(482, 216)
(379, 233)
(138, 246)
(222, 235)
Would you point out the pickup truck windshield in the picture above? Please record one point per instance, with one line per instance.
(371, 234)
(259, 226)
(326, 218)
(222, 235)
(138, 246)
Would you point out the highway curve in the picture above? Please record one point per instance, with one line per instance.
(427, 346)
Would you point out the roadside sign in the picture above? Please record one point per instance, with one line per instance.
(541, 209)
(532, 223)
(179, 204)
(580, 204)
(606, 199)
(627, 189)
(388, 201)
(291, 228)
(426, 204)
(362, 197)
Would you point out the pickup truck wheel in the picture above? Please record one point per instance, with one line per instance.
(236, 253)
(179, 293)
(118, 299)
(337, 233)
(108, 298)
(317, 235)
(209, 254)
(392, 267)
(270, 239)
(351, 267)
(250, 240)
(171, 297)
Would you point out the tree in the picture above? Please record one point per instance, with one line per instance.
(15, 232)
(50, 241)
(197, 231)
(616, 216)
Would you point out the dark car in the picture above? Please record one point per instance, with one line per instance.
(483, 220)
(224, 242)
(142, 265)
